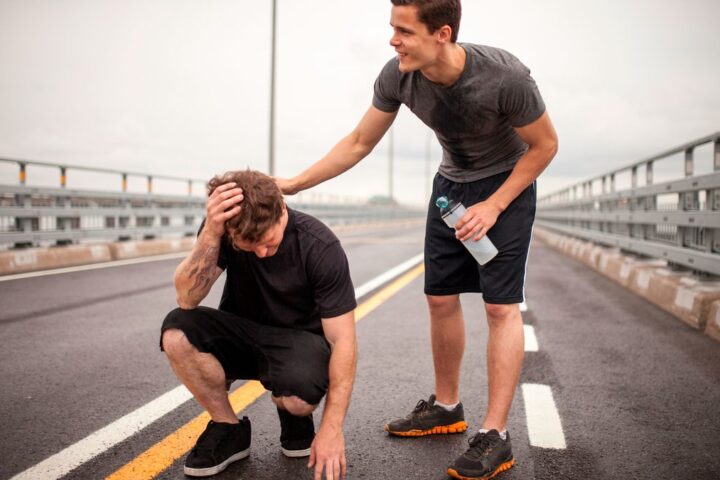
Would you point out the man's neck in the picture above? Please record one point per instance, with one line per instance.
(448, 67)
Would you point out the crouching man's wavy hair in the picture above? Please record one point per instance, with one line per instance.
(262, 205)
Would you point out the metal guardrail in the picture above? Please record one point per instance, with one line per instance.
(677, 220)
(34, 216)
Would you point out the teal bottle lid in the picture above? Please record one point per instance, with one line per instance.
(442, 202)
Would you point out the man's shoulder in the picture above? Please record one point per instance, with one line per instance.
(312, 229)
(494, 56)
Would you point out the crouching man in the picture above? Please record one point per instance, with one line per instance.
(286, 318)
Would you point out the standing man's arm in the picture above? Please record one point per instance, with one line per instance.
(345, 155)
(328, 448)
(542, 146)
(196, 274)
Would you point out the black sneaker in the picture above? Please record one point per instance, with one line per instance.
(217, 447)
(427, 419)
(487, 456)
(296, 434)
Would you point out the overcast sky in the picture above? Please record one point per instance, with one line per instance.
(181, 87)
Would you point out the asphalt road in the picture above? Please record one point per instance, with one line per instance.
(636, 391)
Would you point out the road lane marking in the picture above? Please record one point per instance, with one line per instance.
(531, 343)
(163, 454)
(381, 279)
(379, 298)
(96, 443)
(95, 266)
(107, 437)
(543, 420)
(160, 456)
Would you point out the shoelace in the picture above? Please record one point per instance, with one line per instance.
(421, 406)
(479, 445)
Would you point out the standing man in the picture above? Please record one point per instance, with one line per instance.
(286, 318)
(497, 138)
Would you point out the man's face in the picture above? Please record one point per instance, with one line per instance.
(415, 45)
(268, 245)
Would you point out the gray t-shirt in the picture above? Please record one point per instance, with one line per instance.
(473, 118)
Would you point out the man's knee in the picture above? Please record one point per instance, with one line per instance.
(443, 304)
(296, 406)
(499, 312)
(173, 329)
(175, 343)
(301, 389)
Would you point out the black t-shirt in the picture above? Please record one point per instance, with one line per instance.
(306, 280)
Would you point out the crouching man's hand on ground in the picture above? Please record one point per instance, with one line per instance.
(328, 454)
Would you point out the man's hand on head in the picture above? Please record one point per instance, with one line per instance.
(222, 205)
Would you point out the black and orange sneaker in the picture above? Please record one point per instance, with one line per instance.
(429, 419)
(487, 456)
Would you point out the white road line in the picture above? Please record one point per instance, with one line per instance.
(381, 279)
(98, 442)
(543, 420)
(531, 343)
(95, 266)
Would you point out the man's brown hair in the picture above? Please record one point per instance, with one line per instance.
(261, 207)
(436, 13)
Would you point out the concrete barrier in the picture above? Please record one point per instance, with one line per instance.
(34, 259)
(31, 259)
(694, 300)
(713, 324)
(145, 248)
(377, 225)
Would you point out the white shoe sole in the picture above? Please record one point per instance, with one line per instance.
(296, 453)
(206, 472)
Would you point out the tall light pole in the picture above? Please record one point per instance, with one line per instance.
(271, 152)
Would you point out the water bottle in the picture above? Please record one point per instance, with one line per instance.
(483, 250)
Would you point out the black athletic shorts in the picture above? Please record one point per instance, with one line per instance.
(449, 267)
(286, 361)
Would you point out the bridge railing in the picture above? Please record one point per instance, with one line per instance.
(42, 216)
(677, 219)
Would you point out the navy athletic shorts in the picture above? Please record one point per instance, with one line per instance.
(449, 267)
(286, 361)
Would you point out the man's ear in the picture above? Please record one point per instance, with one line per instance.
(444, 34)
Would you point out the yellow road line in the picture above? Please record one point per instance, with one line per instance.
(163, 454)
(379, 298)
(160, 456)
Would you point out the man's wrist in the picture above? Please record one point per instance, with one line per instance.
(209, 239)
(497, 204)
(295, 184)
(331, 424)
(331, 428)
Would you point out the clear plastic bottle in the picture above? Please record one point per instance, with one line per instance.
(483, 250)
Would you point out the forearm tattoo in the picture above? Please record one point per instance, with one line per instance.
(202, 264)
